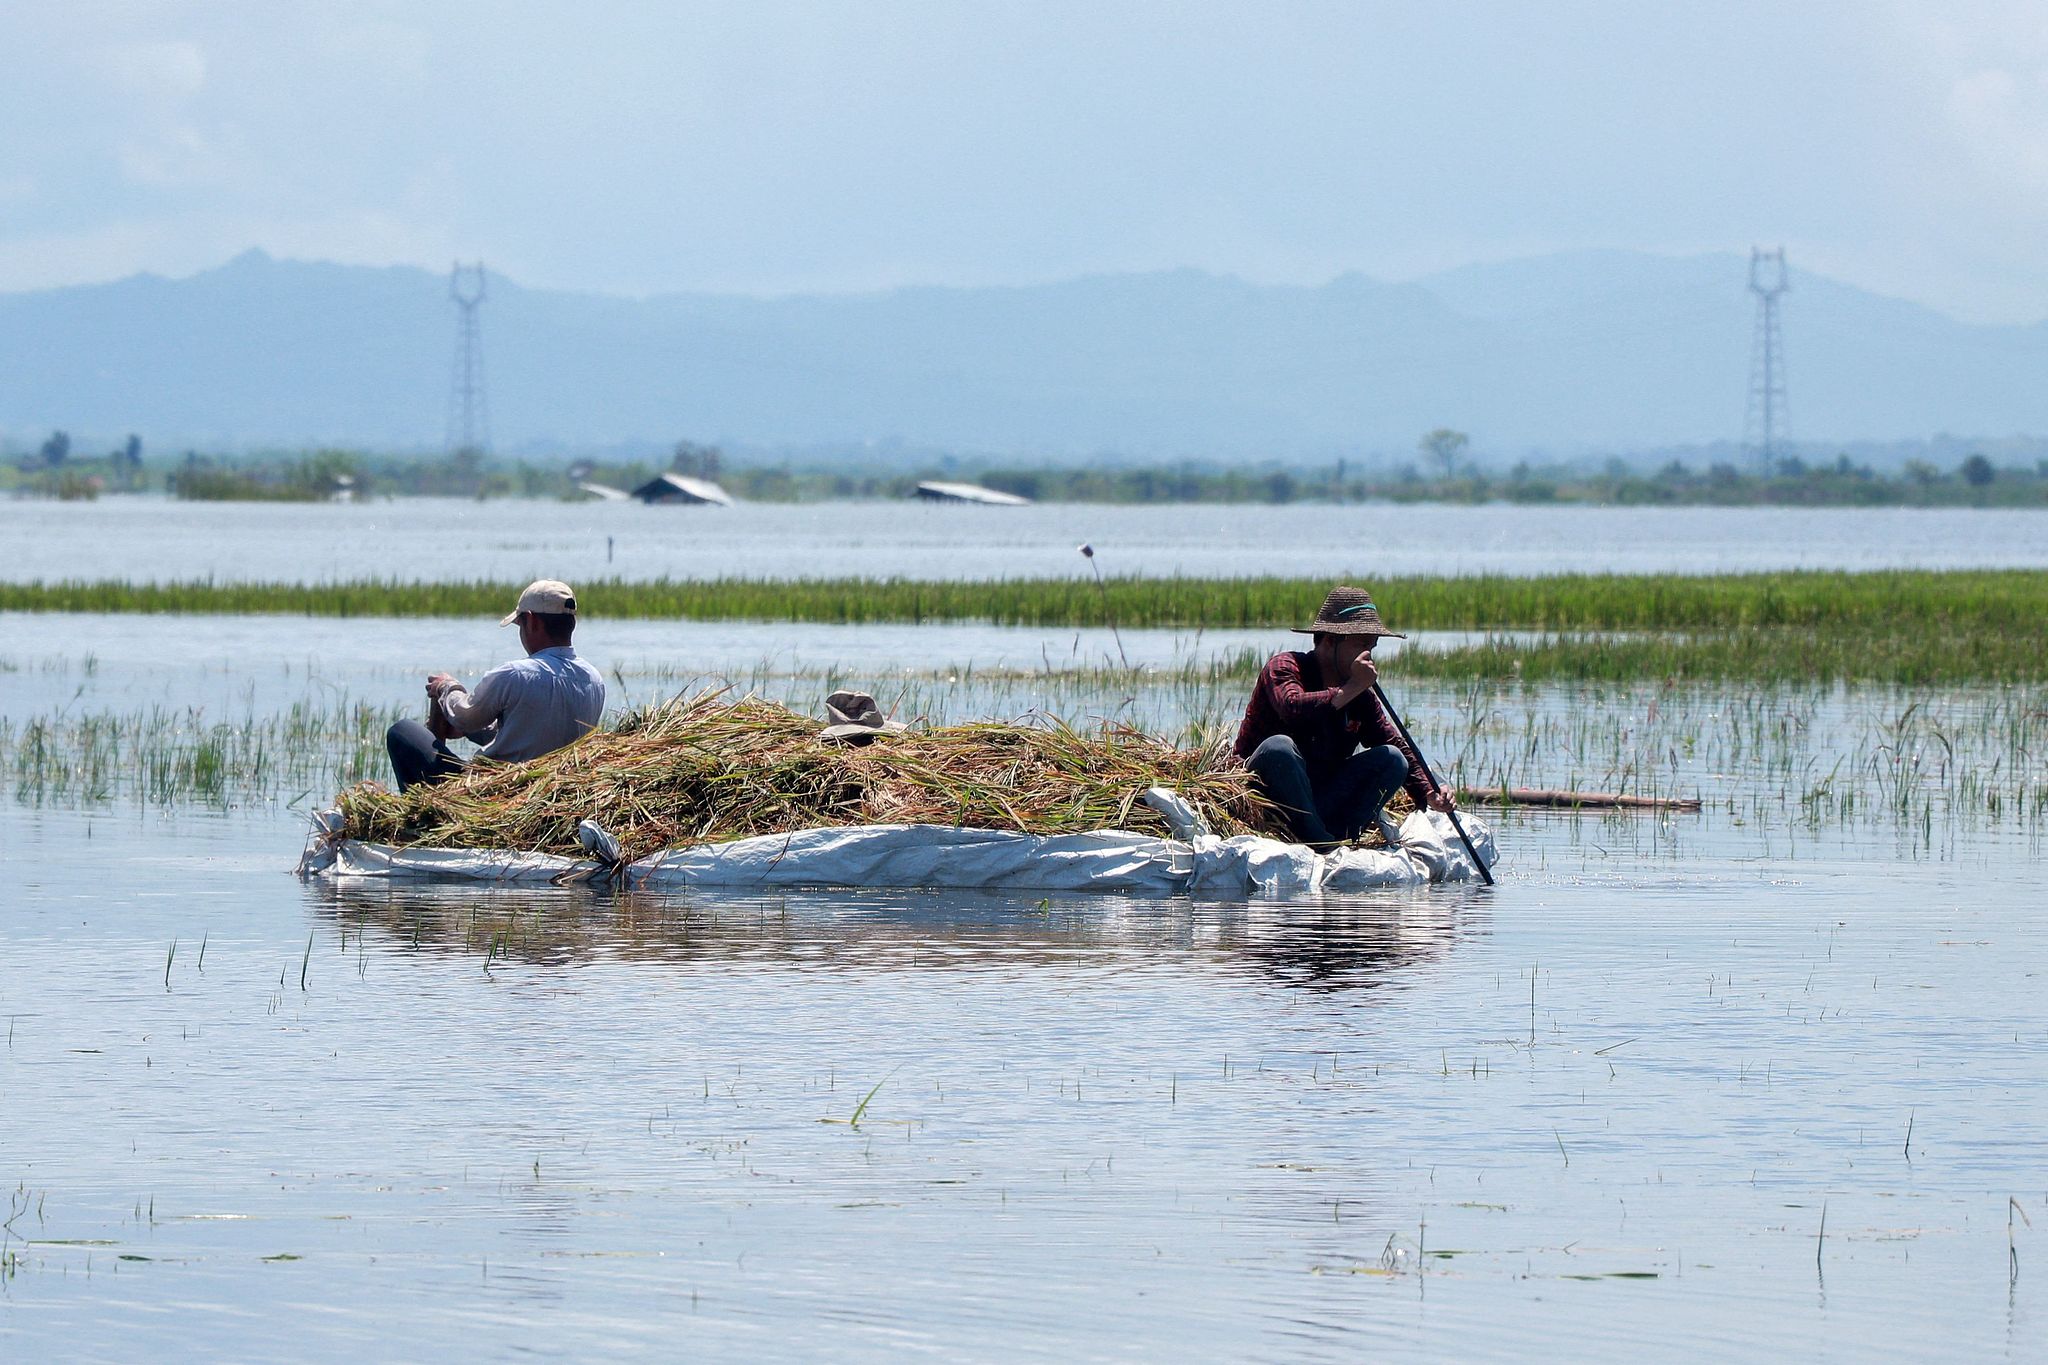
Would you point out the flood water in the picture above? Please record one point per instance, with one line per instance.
(150, 539)
(1765, 1081)
(1604, 1104)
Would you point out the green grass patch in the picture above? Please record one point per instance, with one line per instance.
(1908, 626)
(1911, 657)
(1999, 599)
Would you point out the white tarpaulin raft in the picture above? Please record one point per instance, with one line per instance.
(1194, 860)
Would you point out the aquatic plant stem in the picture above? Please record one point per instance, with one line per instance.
(862, 1107)
(2012, 1251)
(1456, 824)
(1102, 590)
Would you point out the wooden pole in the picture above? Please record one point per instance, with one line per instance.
(1456, 824)
(1550, 796)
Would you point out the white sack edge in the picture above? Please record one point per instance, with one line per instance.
(948, 856)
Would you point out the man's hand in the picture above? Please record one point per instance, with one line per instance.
(438, 724)
(1364, 673)
(1441, 799)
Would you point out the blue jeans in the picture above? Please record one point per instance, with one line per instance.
(1344, 804)
(417, 758)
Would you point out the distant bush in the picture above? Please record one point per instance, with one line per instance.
(65, 485)
(319, 477)
(233, 485)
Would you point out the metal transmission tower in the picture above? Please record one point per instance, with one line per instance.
(1764, 429)
(469, 416)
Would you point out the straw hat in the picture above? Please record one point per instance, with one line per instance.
(1348, 611)
(856, 719)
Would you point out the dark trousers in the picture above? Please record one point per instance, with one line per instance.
(1344, 804)
(417, 757)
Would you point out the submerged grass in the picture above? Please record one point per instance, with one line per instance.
(700, 769)
(1778, 759)
(165, 756)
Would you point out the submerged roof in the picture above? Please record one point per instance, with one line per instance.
(672, 487)
(969, 492)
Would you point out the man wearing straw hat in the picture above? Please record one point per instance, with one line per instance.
(519, 710)
(1317, 737)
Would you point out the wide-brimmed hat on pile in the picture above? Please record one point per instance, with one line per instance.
(1348, 611)
(856, 719)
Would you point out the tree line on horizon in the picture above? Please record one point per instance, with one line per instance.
(1443, 471)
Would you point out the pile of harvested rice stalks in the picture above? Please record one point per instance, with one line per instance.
(701, 770)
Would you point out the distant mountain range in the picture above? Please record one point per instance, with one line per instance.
(1570, 355)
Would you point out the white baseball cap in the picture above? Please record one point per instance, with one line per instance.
(545, 596)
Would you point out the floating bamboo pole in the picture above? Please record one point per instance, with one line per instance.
(1552, 796)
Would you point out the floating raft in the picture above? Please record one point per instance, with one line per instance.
(699, 791)
(1192, 861)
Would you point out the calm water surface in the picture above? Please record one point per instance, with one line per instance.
(1603, 1105)
(46, 658)
(154, 538)
(237, 665)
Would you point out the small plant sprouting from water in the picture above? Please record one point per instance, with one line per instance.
(862, 1107)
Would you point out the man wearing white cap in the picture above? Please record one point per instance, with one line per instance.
(517, 711)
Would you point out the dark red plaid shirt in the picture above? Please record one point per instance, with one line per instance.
(1290, 700)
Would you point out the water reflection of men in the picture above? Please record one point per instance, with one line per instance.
(518, 710)
(1317, 737)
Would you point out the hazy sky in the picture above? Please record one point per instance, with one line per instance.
(772, 146)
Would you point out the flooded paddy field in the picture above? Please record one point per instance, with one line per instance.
(1767, 1079)
(145, 539)
(229, 711)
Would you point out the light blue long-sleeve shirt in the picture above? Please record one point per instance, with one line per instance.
(529, 707)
